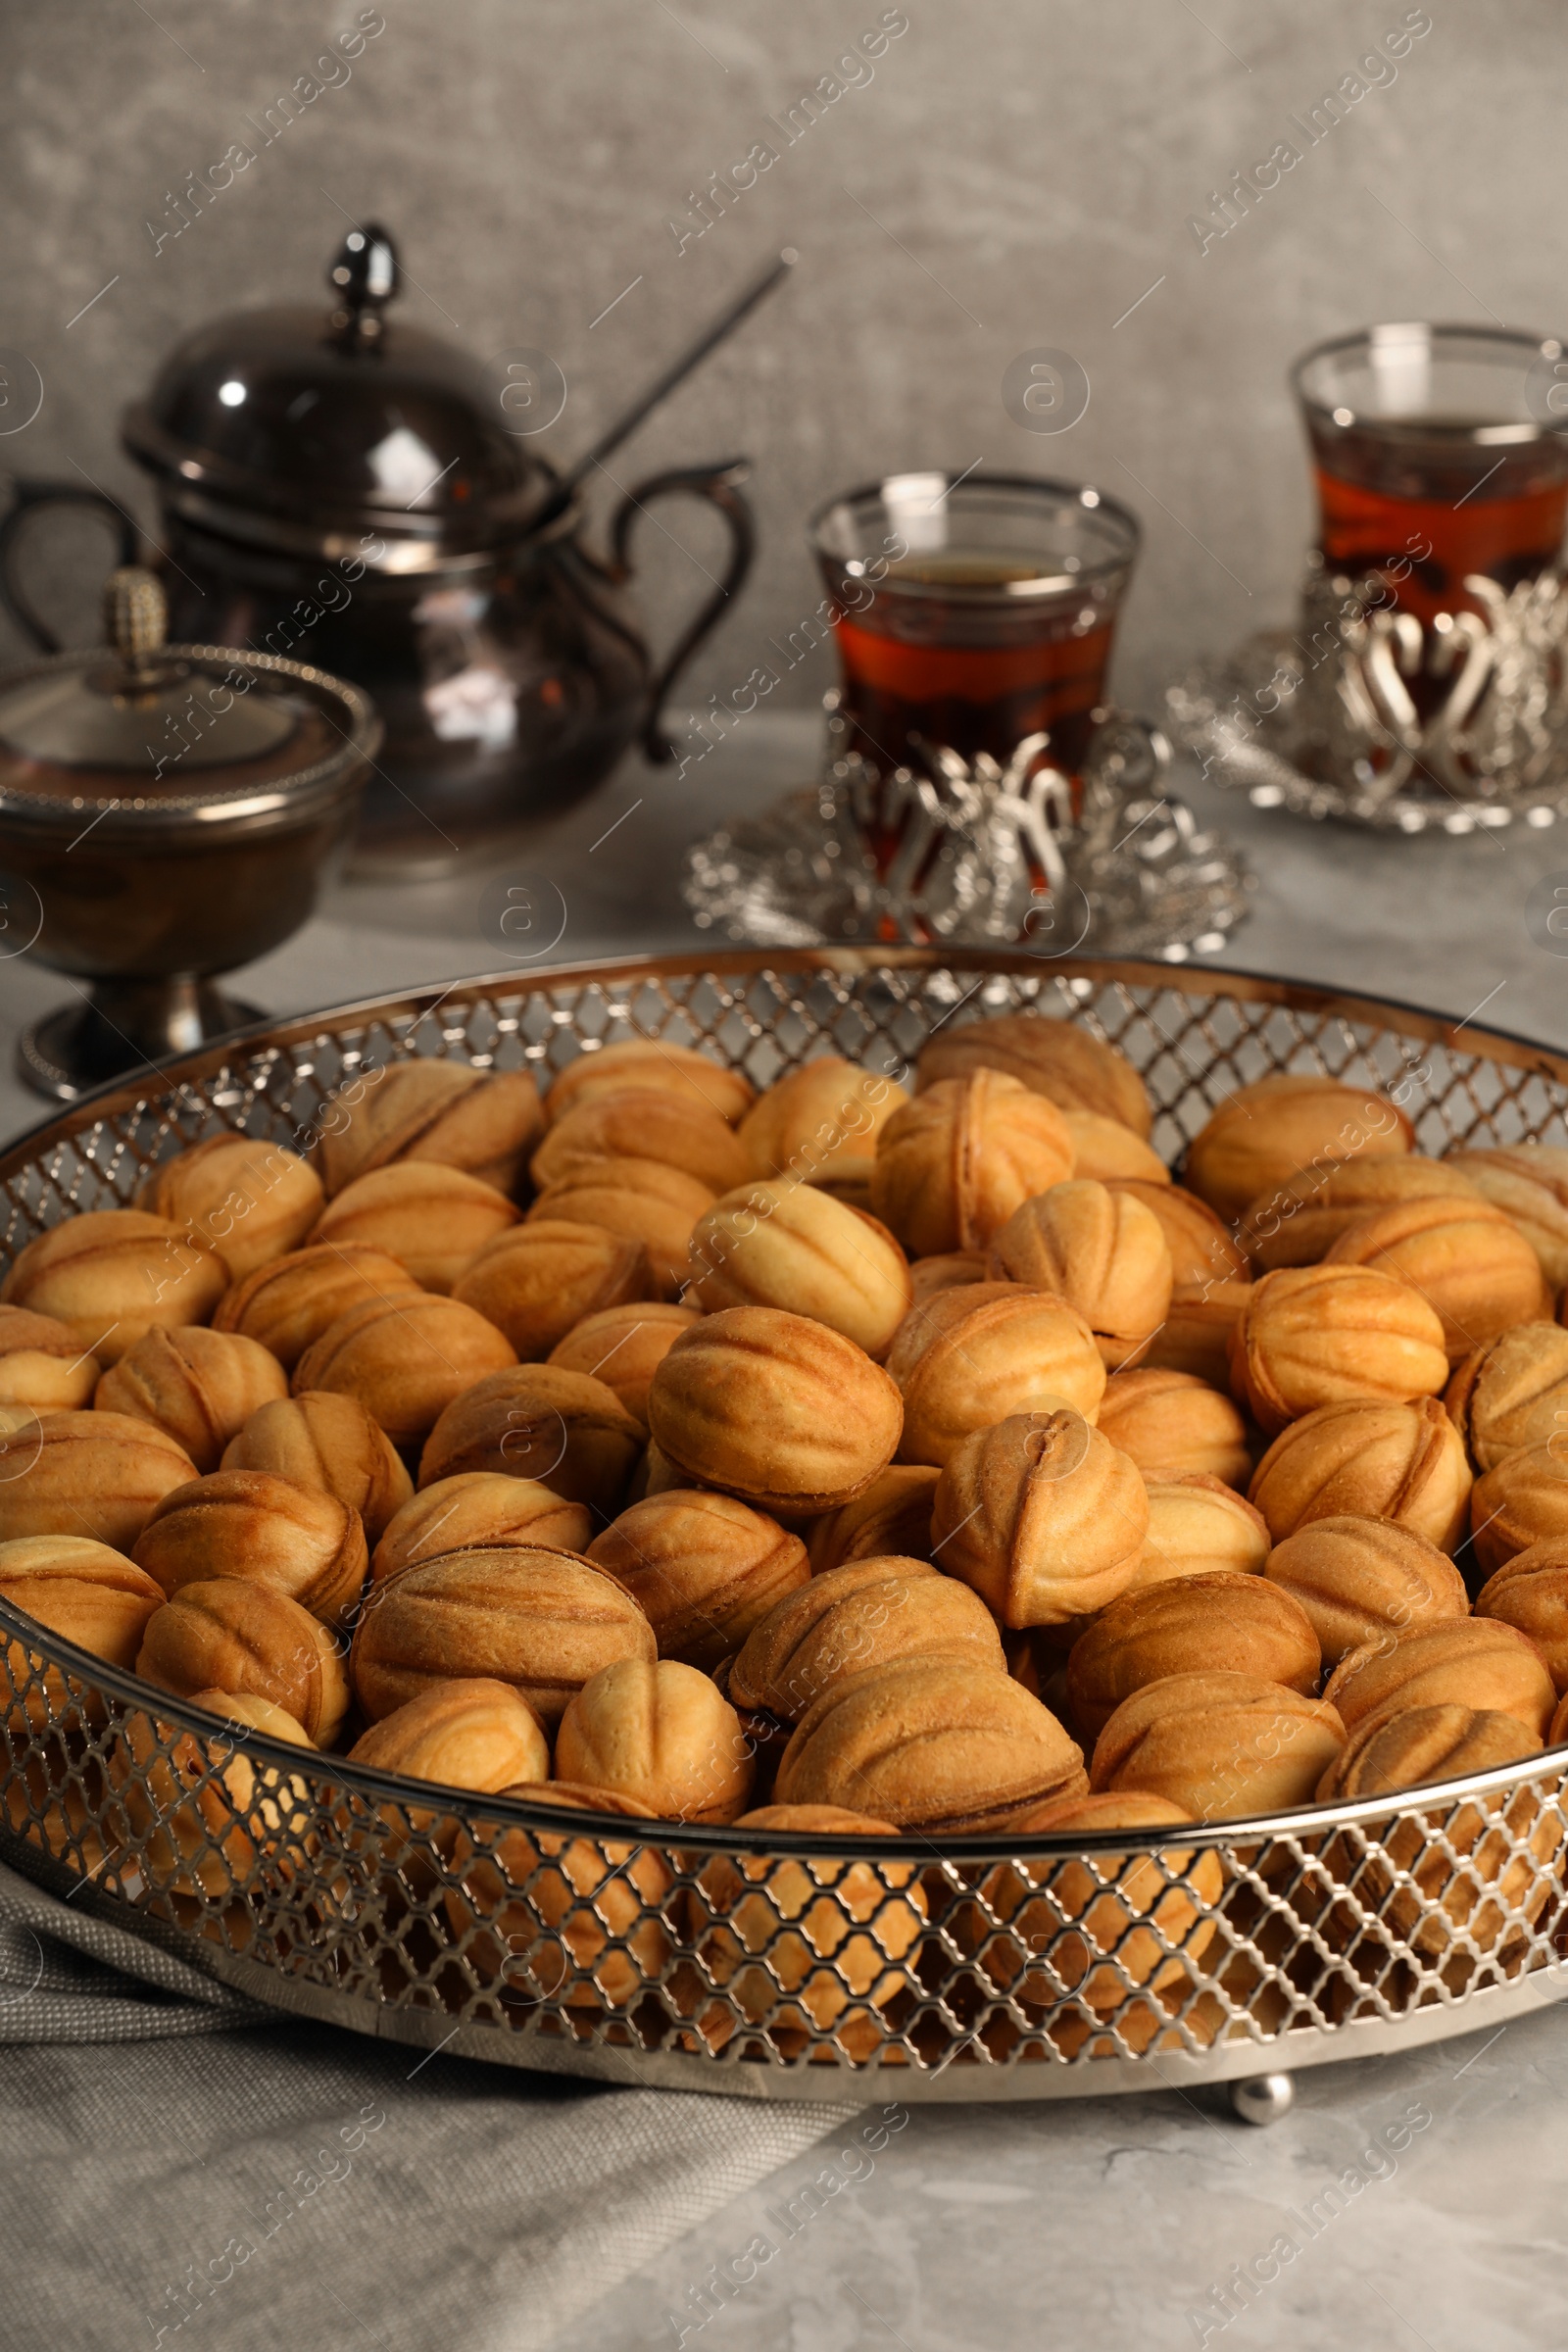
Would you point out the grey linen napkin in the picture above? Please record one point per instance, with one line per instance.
(183, 2169)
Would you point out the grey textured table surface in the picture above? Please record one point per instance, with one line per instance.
(1107, 2223)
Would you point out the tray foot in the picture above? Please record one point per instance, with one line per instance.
(1263, 2098)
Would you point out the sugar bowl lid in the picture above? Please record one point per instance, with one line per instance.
(140, 735)
(298, 427)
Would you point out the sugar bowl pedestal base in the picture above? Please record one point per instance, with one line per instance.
(122, 1025)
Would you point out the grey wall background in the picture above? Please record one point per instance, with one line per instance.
(1017, 174)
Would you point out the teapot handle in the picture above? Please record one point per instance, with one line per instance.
(28, 500)
(719, 485)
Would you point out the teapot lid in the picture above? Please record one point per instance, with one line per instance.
(308, 429)
(140, 733)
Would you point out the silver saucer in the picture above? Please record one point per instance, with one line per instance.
(1135, 875)
(1324, 723)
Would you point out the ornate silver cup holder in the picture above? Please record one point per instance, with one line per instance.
(982, 856)
(1364, 715)
(767, 1966)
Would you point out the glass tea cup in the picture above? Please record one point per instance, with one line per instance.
(973, 613)
(1441, 454)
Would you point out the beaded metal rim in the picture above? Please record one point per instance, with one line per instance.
(761, 1964)
(361, 741)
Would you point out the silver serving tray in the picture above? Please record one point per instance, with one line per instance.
(767, 1966)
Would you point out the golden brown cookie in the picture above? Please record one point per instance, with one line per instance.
(690, 1076)
(242, 1636)
(624, 1347)
(474, 1733)
(479, 1510)
(792, 1246)
(1465, 1258)
(772, 1408)
(1105, 1252)
(330, 1443)
(249, 1200)
(92, 1474)
(41, 1364)
(1469, 1662)
(566, 1430)
(286, 1304)
(1041, 1516)
(1172, 1424)
(1199, 1526)
(1364, 1579)
(1334, 1335)
(953, 1164)
(971, 1358)
(262, 1529)
(1368, 1461)
(484, 1122)
(111, 1274)
(1221, 1745)
(1068, 1065)
(199, 1386)
(1264, 1134)
(405, 1358)
(702, 1568)
(433, 1220)
(930, 1745)
(640, 1200)
(643, 1122)
(660, 1732)
(820, 1123)
(1179, 1628)
(1512, 1394)
(542, 1621)
(866, 1613)
(1298, 1222)
(537, 1282)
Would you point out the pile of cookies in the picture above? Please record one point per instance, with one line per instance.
(904, 1453)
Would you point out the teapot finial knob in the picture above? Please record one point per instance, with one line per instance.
(135, 615)
(365, 276)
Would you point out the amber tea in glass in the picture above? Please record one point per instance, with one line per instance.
(1441, 453)
(970, 615)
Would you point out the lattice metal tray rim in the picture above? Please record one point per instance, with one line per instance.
(432, 2030)
(724, 1837)
(1076, 979)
